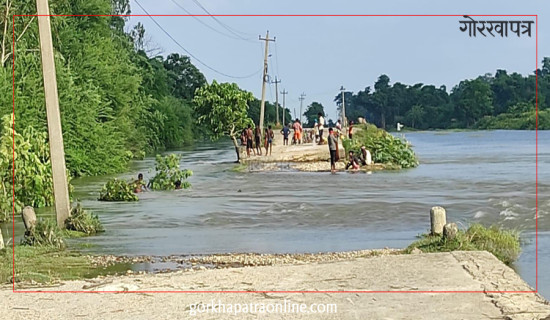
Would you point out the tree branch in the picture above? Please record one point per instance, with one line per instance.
(25, 29)
(5, 32)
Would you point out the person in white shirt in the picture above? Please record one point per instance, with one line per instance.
(321, 127)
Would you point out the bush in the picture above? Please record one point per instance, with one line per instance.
(33, 172)
(384, 147)
(504, 244)
(45, 233)
(117, 190)
(168, 172)
(516, 121)
(83, 221)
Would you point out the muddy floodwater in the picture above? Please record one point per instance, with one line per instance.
(478, 176)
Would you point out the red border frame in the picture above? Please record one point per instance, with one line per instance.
(299, 15)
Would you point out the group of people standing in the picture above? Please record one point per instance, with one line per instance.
(252, 140)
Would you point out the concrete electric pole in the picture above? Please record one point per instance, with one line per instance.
(277, 98)
(342, 89)
(55, 134)
(302, 97)
(264, 80)
(284, 93)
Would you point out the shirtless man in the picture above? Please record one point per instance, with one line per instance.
(249, 137)
(269, 135)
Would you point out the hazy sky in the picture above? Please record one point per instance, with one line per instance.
(317, 55)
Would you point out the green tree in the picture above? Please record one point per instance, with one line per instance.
(312, 112)
(415, 115)
(381, 97)
(185, 77)
(222, 108)
(472, 100)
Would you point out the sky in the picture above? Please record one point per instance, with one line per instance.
(317, 55)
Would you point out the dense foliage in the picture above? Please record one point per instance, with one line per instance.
(169, 173)
(504, 244)
(83, 221)
(384, 147)
(503, 101)
(33, 177)
(117, 190)
(116, 102)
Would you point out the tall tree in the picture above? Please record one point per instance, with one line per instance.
(381, 98)
(222, 107)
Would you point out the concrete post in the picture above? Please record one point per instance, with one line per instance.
(29, 218)
(57, 152)
(438, 220)
(1, 240)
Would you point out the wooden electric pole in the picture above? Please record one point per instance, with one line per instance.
(264, 80)
(302, 97)
(284, 93)
(277, 98)
(57, 153)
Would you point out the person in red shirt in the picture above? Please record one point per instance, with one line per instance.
(350, 130)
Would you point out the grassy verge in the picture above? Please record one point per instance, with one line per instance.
(47, 264)
(43, 265)
(504, 244)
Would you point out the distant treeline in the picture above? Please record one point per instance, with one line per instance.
(502, 101)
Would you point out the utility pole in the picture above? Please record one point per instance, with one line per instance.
(264, 79)
(342, 89)
(302, 97)
(55, 134)
(276, 98)
(284, 93)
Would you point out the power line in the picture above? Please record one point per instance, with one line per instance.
(203, 23)
(228, 28)
(192, 55)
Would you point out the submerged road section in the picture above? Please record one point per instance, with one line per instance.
(415, 273)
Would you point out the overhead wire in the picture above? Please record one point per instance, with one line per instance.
(204, 23)
(227, 27)
(189, 53)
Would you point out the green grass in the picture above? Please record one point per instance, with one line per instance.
(504, 244)
(43, 265)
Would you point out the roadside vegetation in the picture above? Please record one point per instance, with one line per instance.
(385, 148)
(504, 244)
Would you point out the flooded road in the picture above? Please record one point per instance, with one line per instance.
(478, 176)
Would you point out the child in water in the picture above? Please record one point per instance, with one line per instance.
(139, 184)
